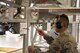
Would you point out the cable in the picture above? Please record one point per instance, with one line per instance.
(18, 11)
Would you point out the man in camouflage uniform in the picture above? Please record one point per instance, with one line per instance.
(64, 43)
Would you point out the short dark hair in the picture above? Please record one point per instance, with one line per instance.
(63, 16)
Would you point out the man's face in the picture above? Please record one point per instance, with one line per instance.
(63, 24)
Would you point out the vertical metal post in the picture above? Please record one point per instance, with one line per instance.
(31, 33)
(25, 38)
(74, 19)
(77, 5)
(25, 44)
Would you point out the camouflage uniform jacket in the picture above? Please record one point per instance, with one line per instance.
(65, 43)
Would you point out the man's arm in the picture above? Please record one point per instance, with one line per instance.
(48, 39)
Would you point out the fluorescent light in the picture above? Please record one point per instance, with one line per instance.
(32, 4)
(2, 3)
(22, 7)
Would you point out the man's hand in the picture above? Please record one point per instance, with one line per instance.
(41, 32)
(31, 49)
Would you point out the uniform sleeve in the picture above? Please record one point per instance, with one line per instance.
(69, 47)
(48, 39)
(55, 47)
